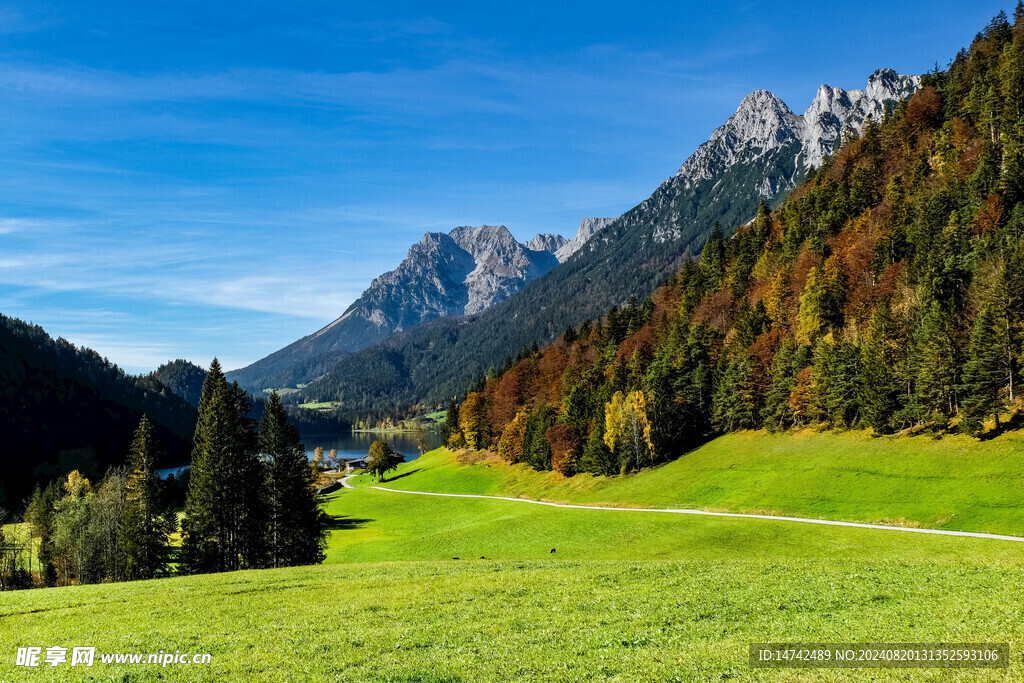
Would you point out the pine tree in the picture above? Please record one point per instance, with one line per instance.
(735, 402)
(40, 517)
(937, 381)
(200, 530)
(224, 526)
(450, 433)
(712, 259)
(834, 374)
(597, 457)
(776, 414)
(984, 374)
(296, 531)
(536, 449)
(879, 390)
(148, 520)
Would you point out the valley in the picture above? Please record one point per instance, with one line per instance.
(624, 596)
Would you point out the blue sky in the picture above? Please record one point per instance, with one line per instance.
(185, 179)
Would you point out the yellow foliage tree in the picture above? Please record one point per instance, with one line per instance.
(510, 445)
(77, 486)
(628, 430)
(471, 417)
(777, 303)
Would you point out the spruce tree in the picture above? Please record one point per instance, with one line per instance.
(40, 517)
(295, 524)
(735, 401)
(984, 374)
(712, 259)
(224, 526)
(450, 432)
(879, 391)
(776, 413)
(200, 530)
(148, 520)
(937, 381)
(597, 457)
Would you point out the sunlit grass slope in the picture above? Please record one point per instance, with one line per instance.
(952, 483)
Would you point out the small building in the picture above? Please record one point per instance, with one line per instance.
(354, 464)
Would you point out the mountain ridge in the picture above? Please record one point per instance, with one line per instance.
(460, 272)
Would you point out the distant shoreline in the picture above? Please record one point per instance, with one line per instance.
(393, 430)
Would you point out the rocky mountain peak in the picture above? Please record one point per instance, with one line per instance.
(833, 109)
(763, 124)
(588, 226)
(485, 239)
(546, 242)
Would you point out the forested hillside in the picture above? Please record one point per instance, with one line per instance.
(65, 408)
(186, 380)
(183, 378)
(886, 293)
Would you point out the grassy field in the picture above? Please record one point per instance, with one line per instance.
(955, 483)
(627, 596)
(391, 604)
(325, 405)
(374, 526)
(510, 621)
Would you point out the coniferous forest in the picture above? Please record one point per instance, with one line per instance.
(886, 293)
(250, 502)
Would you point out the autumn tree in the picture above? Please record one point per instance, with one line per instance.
(510, 445)
(565, 449)
(628, 430)
(472, 421)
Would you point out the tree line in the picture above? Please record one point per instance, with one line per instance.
(250, 503)
(886, 293)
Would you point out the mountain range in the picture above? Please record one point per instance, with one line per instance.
(461, 272)
(758, 154)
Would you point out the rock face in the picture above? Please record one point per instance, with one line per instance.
(763, 130)
(547, 242)
(588, 226)
(760, 152)
(834, 108)
(458, 273)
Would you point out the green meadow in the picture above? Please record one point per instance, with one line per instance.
(626, 596)
(956, 482)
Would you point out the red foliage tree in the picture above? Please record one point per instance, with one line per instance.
(565, 449)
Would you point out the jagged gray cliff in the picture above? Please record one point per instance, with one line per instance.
(457, 273)
(588, 226)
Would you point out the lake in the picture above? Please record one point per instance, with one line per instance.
(356, 445)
